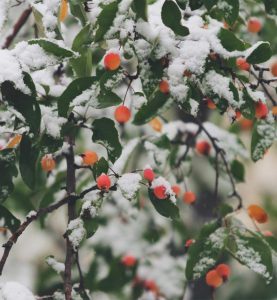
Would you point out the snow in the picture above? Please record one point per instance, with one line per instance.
(55, 265)
(4, 7)
(76, 232)
(14, 291)
(129, 185)
(51, 123)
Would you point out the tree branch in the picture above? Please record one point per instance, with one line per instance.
(17, 26)
(13, 239)
(71, 188)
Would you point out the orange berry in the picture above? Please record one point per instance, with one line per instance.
(103, 182)
(112, 61)
(148, 174)
(203, 147)
(223, 270)
(89, 158)
(261, 110)
(213, 279)
(122, 114)
(160, 192)
(245, 124)
(189, 197)
(274, 69)
(210, 104)
(14, 141)
(164, 87)
(189, 243)
(242, 64)
(156, 124)
(274, 110)
(48, 163)
(257, 213)
(254, 25)
(238, 114)
(128, 260)
(176, 189)
(63, 10)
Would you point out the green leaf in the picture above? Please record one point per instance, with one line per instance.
(210, 3)
(270, 6)
(8, 220)
(248, 107)
(260, 54)
(105, 20)
(230, 10)
(105, 134)
(8, 171)
(229, 41)
(171, 17)
(27, 161)
(78, 11)
(195, 4)
(150, 109)
(28, 80)
(164, 207)
(91, 226)
(140, 8)
(75, 88)
(24, 104)
(238, 171)
(206, 251)
(82, 65)
(102, 166)
(263, 136)
(254, 253)
(107, 98)
(52, 48)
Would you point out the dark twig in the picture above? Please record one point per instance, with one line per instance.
(220, 151)
(71, 188)
(18, 25)
(13, 239)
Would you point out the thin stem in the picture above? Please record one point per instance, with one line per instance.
(13, 239)
(18, 25)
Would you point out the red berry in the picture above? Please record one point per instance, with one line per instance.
(242, 64)
(261, 110)
(210, 104)
(223, 270)
(160, 192)
(128, 260)
(103, 182)
(151, 286)
(203, 147)
(112, 61)
(254, 25)
(122, 114)
(164, 87)
(148, 174)
(189, 197)
(189, 243)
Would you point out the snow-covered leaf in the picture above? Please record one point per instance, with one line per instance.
(206, 251)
